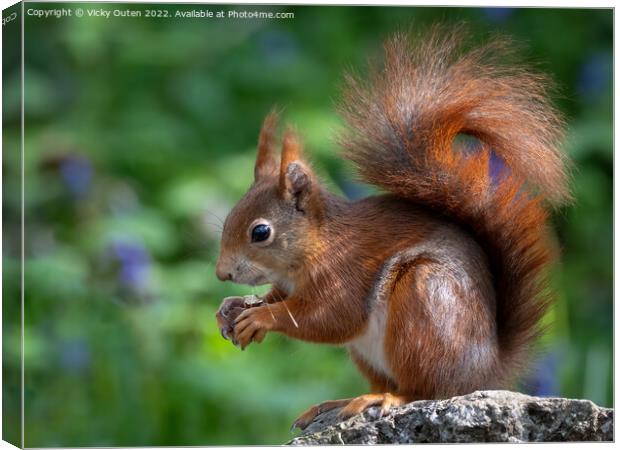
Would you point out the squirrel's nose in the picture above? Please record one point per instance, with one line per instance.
(223, 275)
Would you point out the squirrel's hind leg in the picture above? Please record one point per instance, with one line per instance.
(382, 391)
(379, 383)
(440, 336)
(380, 388)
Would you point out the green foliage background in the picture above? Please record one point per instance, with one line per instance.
(140, 136)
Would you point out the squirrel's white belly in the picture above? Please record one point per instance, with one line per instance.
(370, 345)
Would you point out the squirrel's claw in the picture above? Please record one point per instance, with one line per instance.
(228, 311)
(224, 333)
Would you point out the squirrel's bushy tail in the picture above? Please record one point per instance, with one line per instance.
(402, 134)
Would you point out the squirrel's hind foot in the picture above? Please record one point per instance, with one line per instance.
(350, 407)
(359, 404)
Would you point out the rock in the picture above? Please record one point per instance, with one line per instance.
(483, 416)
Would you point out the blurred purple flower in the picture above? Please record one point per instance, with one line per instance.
(134, 262)
(75, 356)
(471, 145)
(594, 75)
(498, 15)
(77, 173)
(543, 381)
(497, 168)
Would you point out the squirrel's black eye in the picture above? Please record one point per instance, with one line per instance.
(261, 233)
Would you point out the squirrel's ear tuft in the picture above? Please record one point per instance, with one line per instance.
(266, 162)
(296, 177)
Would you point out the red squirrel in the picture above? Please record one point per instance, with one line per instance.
(437, 286)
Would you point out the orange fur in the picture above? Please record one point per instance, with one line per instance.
(437, 287)
(266, 161)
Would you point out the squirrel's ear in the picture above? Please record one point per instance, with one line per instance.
(266, 162)
(296, 178)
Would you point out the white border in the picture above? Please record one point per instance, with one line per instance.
(455, 3)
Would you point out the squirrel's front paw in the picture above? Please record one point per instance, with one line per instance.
(252, 325)
(228, 311)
